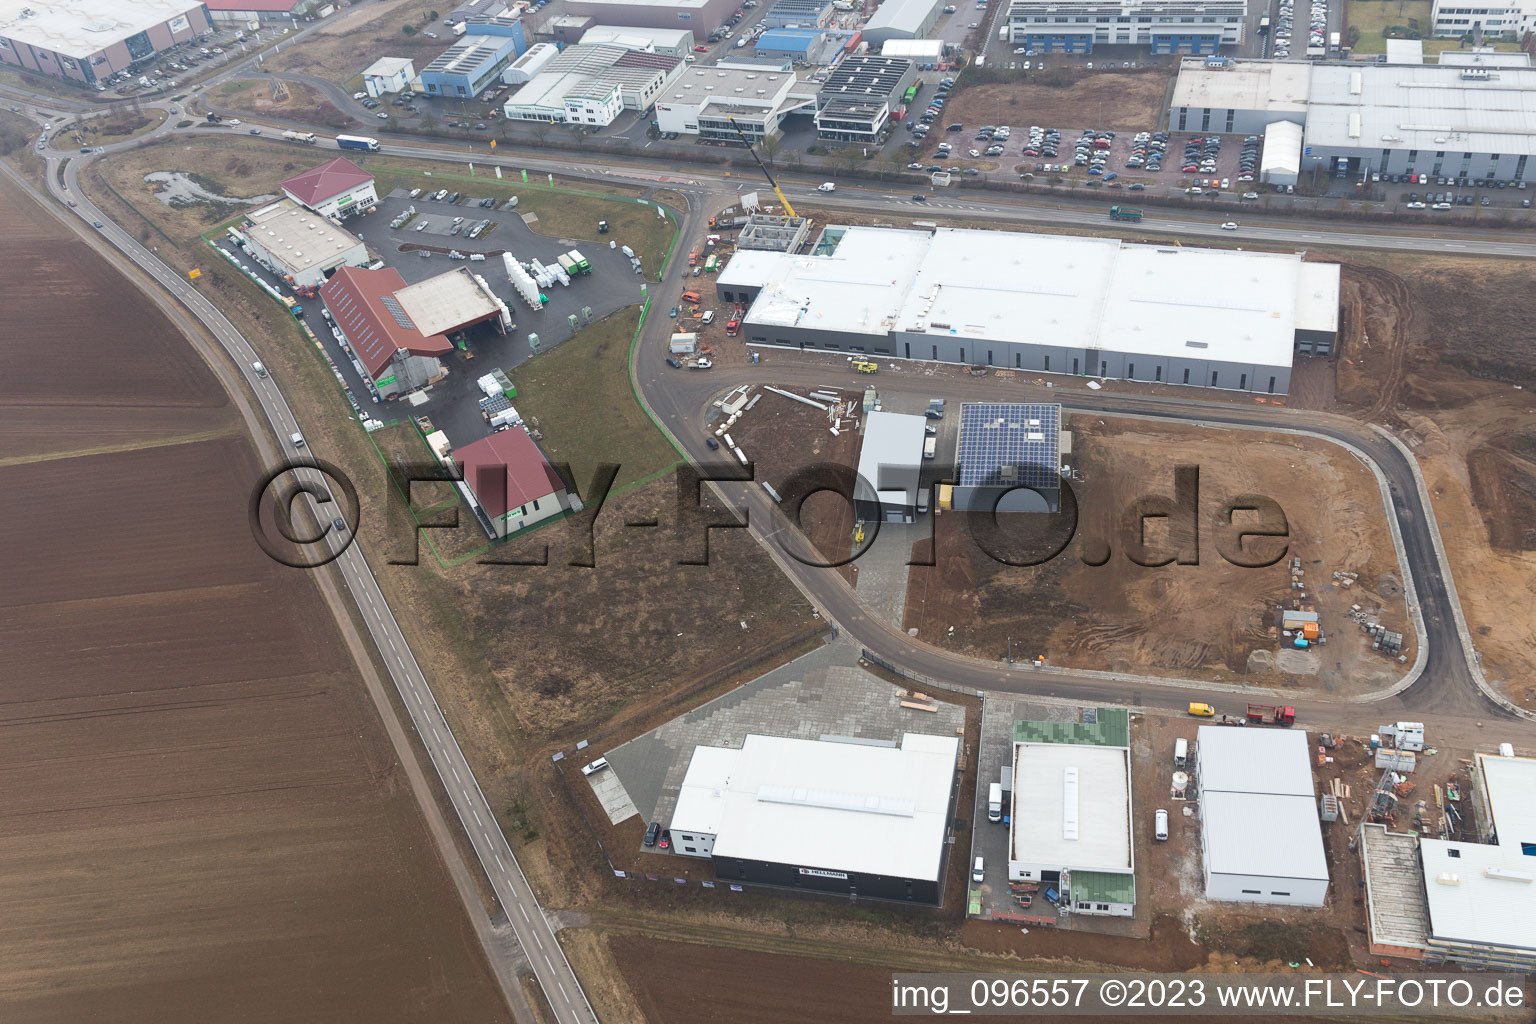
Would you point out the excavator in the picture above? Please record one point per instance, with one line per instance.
(790, 210)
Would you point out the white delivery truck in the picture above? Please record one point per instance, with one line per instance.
(1180, 753)
(827, 186)
(995, 802)
(297, 439)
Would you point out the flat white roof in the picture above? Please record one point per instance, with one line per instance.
(1086, 293)
(441, 303)
(1282, 149)
(1251, 759)
(895, 441)
(1279, 86)
(914, 48)
(1405, 51)
(823, 804)
(638, 38)
(1492, 899)
(298, 238)
(1072, 806)
(1486, 58)
(1425, 107)
(1317, 297)
(1262, 834)
(80, 28)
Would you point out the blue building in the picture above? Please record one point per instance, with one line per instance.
(801, 45)
(476, 60)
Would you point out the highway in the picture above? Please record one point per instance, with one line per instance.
(1449, 684)
(534, 933)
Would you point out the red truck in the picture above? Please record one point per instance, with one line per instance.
(1271, 713)
(732, 326)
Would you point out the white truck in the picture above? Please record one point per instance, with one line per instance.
(827, 186)
(308, 138)
(297, 439)
(930, 447)
(995, 802)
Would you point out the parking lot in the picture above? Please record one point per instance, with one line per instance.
(453, 403)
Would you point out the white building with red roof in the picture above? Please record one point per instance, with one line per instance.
(510, 484)
(337, 188)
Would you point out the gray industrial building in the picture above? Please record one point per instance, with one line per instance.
(699, 16)
(1093, 307)
(855, 103)
(890, 468)
(902, 19)
(1457, 120)
(799, 14)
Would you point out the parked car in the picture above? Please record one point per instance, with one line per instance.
(673, 362)
(712, 444)
(1160, 825)
(595, 766)
(652, 833)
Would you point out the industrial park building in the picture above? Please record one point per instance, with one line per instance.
(856, 101)
(714, 102)
(229, 13)
(1069, 823)
(1260, 840)
(591, 85)
(509, 484)
(299, 245)
(1458, 119)
(890, 468)
(673, 42)
(1506, 20)
(1467, 899)
(475, 61)
(1008, 458)
(1093, 307)
(701, 17)
(87, 40)
(337, 188)
(902, 19)
(1077, 26)
(389, 75)
(799, 14)
(845, 816)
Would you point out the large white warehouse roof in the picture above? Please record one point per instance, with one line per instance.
(824, 804)
(1079, 292)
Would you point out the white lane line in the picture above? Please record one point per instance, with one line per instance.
(499, 864)
(547, 961)
(456, 775)
(524, 910)
(538, 940)
(563, 994)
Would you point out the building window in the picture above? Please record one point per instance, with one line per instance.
(1103, 906)
(1242, 383)
(1213, 378)
(1252, 892)
(1047, 364)
(1279, 893)
(1453, 853)
(1130, 371)
(1528, 849)
(1186, 376)
(1157, 373)
(689, 849)
(1271, 385)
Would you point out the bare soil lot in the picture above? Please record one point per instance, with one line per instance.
(1434, 348)
(204, 819)
(346, 46)
(1122, 101)
(1211, 620)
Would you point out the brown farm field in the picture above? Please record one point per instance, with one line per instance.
(1209, 620)
(204, 818)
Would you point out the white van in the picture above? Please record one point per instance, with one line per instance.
(827, 186)
(995, 802)
(1160, 825)
(297, 439)
(708, 317)
(1180, 753)
(261, 371)
(595, 766)
(978, 873)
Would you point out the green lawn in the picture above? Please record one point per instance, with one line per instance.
(1371, 17)
(580, 396)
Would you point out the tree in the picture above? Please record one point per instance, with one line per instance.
(409, 30)
(769, 148)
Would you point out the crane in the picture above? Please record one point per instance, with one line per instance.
(776, 190)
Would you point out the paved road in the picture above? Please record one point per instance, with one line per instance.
(533, 931)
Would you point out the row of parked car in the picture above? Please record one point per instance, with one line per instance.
(1286, 22)
(1449, 181)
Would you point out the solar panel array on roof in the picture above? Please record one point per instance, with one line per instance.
(1010, 445)
(395, 311)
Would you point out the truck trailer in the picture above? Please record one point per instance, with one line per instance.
(1124, 213)
(308, 138)
(357, 142)
(580, 261)
(1271, 714)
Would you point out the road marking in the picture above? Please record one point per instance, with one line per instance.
(563, 994)
(499, 864)
(525, 912)
(456, 775)
(547, 961)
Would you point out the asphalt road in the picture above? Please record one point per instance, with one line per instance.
(534, 933)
